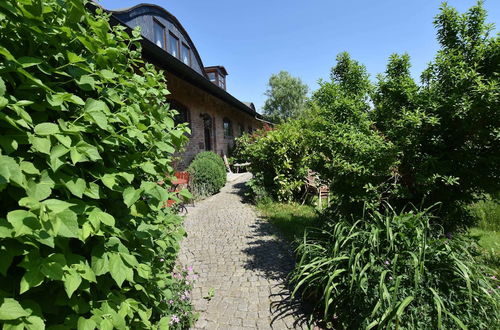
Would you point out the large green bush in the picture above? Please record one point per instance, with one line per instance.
(446, 129)
(279, 160)
(207, 174)
(85, 136)
(395, 270)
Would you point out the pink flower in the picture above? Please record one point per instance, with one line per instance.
(170, 301)
(493, 277)
(387, 262)
(190, 268)
(174, 319)
(162, 260)
(183, 297)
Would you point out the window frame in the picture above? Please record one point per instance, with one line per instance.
(171, 34)
(164, 30)
(228, 133)
(183, 44)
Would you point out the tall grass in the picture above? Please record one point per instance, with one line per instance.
(395, 270)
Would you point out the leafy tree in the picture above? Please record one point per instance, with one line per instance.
(447, 130)
(348, 152)
(287, 97)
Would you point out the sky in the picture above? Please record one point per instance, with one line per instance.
(258, 38)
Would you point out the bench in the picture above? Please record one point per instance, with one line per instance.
(240, 165)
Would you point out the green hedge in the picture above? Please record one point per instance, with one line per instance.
(84, 240)
(207, 174)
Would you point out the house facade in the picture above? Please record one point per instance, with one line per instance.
(198, 93)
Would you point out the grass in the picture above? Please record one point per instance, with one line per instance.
(291, 219)
(487, 214)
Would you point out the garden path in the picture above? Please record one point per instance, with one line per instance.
(243, 260)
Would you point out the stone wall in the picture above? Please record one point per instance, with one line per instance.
(199, 103)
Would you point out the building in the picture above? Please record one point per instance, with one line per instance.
(197, 92)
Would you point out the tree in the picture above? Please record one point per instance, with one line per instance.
(287, 97)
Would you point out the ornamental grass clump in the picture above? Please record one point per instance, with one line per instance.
(85, 136)
(395, 270)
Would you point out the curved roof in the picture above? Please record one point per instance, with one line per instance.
(172, 19)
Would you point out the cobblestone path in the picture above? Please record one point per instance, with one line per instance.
(240, 257)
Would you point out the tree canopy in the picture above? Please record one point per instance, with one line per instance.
(286, 97)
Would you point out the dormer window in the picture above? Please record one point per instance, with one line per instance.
(185, 54)
(217, 75)
(159, 34)
(173, 45)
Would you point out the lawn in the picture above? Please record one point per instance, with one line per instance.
(291, 219)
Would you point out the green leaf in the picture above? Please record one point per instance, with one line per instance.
(27, 61)
(95, 105)
(9, 171)
(109, 180)
(66, 224)
(93, 191)
(72, 281)
(86, 82)
(41, 144)
(86, 324)
(10, 309)
(24, 222)
(130, 196)
(41, 190)
(100, 216)
(119, 271)
(76, 186)
(52, 267)
(46, 129)
(148, 167)
(100, 264)
(34, 322)
(2, 87)
(56, 205)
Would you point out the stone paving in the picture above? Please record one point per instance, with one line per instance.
(242, 259)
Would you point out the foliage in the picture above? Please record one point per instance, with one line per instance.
(213, 157)
(179, 306)
(86, 134)
(207, 174)
(286, 97)
(278, 161)
(446, 130)
(395, 270)
(357, 160)
(487, 214)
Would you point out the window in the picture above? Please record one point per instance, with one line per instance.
(222, 82)
(211, 76)
(242, 130)
(228, 129)
(173, 45)
(185, 54)
(183, 112)
(159, 34)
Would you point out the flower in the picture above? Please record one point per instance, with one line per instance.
(493, 277)
(162, 260)
(183, 297)
(170, 301)
(174, 319)
(190, 268)
(387, 262)
(390, 278)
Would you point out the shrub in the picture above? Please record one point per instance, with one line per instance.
(85, 136)
(207, 174)
(395, 270)
(213, 157)
(278, 160)
(446, 129)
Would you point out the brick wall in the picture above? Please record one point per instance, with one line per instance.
(199, 103)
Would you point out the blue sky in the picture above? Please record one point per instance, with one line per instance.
(254, 39)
